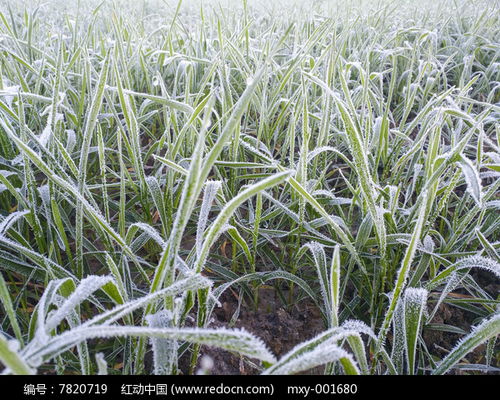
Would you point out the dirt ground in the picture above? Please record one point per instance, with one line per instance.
(282, 329)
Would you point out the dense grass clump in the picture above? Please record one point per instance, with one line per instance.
(156, 155)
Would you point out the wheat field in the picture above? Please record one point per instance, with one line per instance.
(156, 156)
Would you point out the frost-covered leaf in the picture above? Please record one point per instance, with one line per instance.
(471, 174)
(308, 354)
(493, 204)
(82, 292)
(398, 343)
(11, 358)
(164, 350)
(9, 220)
(102, 366)
(236, 340)
(404, 269)
(415, 302)
(193, 282)
(210, 191)
(320, 355)
(474, 261)
(319, 257)
(148, 230)
(157, 196)
(489, 328)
